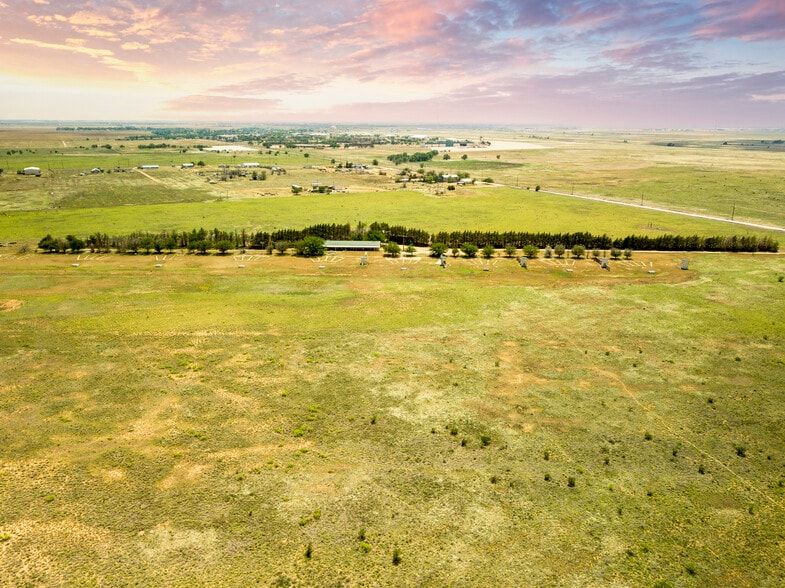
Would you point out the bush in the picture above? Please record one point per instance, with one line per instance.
(392, 249)
(488, 251)
(628, 254)
(615, 253)
(396, 557)
(571, 482)
(531, 251)
(311, 246)
(578, 251)
(510, 250)
(470, 249)
(438, 249)
(559, 250)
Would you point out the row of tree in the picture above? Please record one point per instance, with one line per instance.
(202, 240)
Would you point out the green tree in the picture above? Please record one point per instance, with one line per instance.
(147, 243)
(578, 251)
(375, 162)
(595, 253)
(510, 250)
(464, 157)
(455, 251)
(470, 249)
(438, 249)
(628, 254)
(446, 156)
(392, 249)
(75, 244)
(559, 250)
(531, 251)
(488, 251)
(311, 246)
(615, 253)
(223, 245)
(48, 244)
(281, 246)
(410, 250)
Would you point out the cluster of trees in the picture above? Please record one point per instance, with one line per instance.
(398, 158)
(202, 240)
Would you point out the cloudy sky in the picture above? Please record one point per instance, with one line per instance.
(589, 63)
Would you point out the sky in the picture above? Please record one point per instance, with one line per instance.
(574, 63)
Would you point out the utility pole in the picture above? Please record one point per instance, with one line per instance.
(733, 214)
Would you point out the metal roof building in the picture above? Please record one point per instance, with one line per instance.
(353, 245)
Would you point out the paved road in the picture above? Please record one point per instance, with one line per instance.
(668, 210)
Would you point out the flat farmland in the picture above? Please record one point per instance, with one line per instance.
(299, 422)
(725, 175)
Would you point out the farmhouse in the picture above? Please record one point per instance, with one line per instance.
(352, 245)
(32, 171)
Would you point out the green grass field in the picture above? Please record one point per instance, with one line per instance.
(203, 424)
(311, 422)
(697, 174)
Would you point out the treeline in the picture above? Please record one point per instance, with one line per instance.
(398, 158)
(202, 239)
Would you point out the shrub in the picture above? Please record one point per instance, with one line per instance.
(741, 451)
(392, 249)
(396, 557)
(438, 249)
(365, 547)
(310, 246)
(531, 251)
(628, 254)
(470, 249)
(559, 250)
(548, 252)
(488, 251)
(615, 253)
(510, 250)
(309, 551)
(485, 440)
(578, 251)
(595, 253)
(647, 436)
(571, 482)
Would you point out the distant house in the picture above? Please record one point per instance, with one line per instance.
(252, 164)
(148, 167)
(187, 165)
(449, 177)
(32, 171)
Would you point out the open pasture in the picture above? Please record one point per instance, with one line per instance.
(722, 174)
(299, 422)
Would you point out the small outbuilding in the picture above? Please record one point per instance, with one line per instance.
(32, 171)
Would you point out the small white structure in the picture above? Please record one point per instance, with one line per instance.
(148, 167)
(187, 165)
(95, 170)
(251, 164)
(32, 171)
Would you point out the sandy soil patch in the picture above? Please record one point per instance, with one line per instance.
(9, 305)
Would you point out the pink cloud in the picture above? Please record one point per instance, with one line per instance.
(749, 20)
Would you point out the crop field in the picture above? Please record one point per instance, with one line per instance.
(314, 422)
(253, 419)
